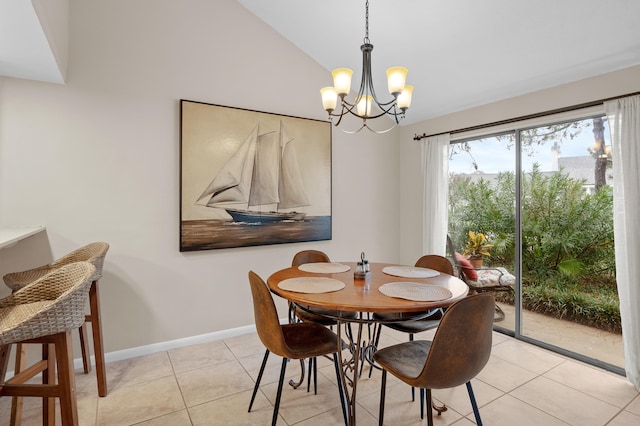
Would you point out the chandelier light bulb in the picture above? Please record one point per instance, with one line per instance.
(364, 106)
(396, 78)
(404, 99)
(329, 98)
(342, 80)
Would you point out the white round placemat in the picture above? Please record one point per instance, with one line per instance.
(410, 272)
(311, 285)
(324, 267)
(415, 291)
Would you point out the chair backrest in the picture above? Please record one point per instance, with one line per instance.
(462, 344)
(93, 253)
(50, 305)
(436, 262)
(266, 317)
(309, 256)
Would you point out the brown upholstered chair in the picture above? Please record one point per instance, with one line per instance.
(93, 253)
(299, 340)
(429, 322)
(458, 352)
(45, 312)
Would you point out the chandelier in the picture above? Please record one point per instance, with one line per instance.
(366, 98)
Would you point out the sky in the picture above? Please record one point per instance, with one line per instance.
(492, 155)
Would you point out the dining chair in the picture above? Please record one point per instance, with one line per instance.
(298, 340)
(429, 322)
(45, 312)
(458, 352)
(93, 253)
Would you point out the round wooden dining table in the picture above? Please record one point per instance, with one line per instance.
(364, 297)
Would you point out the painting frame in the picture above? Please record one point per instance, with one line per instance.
(252, 178)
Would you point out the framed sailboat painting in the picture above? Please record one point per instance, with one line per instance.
(252, 178)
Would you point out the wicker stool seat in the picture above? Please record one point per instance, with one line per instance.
(93, 253)
(45, 312)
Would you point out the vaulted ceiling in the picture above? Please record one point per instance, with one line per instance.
(460, 53)
(463, 53)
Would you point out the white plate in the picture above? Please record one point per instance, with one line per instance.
(311, 285)
(324, 267)
(410, 272)
(415, 291)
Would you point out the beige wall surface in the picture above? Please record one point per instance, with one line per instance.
(605, 86)
(97, 159)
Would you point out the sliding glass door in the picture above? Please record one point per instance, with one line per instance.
(542, 196)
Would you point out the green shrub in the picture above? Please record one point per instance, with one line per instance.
(568, 261)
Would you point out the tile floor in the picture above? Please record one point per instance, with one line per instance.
(211, 384)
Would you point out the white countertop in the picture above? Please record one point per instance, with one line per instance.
(11, 235)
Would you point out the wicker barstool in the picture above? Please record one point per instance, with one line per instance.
(93, 253)
(45, 312)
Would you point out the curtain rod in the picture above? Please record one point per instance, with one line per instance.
(526, 117)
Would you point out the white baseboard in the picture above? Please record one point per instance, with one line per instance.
(173, 344)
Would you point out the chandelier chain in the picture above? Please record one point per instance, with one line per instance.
(366, 22)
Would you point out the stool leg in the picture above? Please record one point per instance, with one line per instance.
(49, 378)
(96, 328)
(66, 379)
(17, 401)
(84, 348)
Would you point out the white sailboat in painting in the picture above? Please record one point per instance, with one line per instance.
(263, 171)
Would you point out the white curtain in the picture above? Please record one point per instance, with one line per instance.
(624, 123)
(435, 171)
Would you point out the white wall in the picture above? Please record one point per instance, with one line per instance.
(97, 159)
(601, 87)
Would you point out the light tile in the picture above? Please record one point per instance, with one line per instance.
(138, 370)
(526, 356)
(509, 411)
(232, 410)
(625, 418)
(217, 381)
(565, 403)
(297, 405)
(605, 386)
(179, 418)
(198, 356)
(400, 410)
(458, 398)
(245, 345)
(504, 375)
(634, 406)
(136, 403)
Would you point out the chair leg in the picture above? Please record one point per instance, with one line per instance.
(84, 348)
(474, 404)
(48, 378)
(413, 391)
(255, 388)
(315, 376)
(66, 379)
(17, 401)
(422, 399)
(383, 388)
(429, 407)
(311, 360)
(340, 389)
(98, 347)
(276, 407)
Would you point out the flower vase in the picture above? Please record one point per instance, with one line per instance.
(476, 261)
